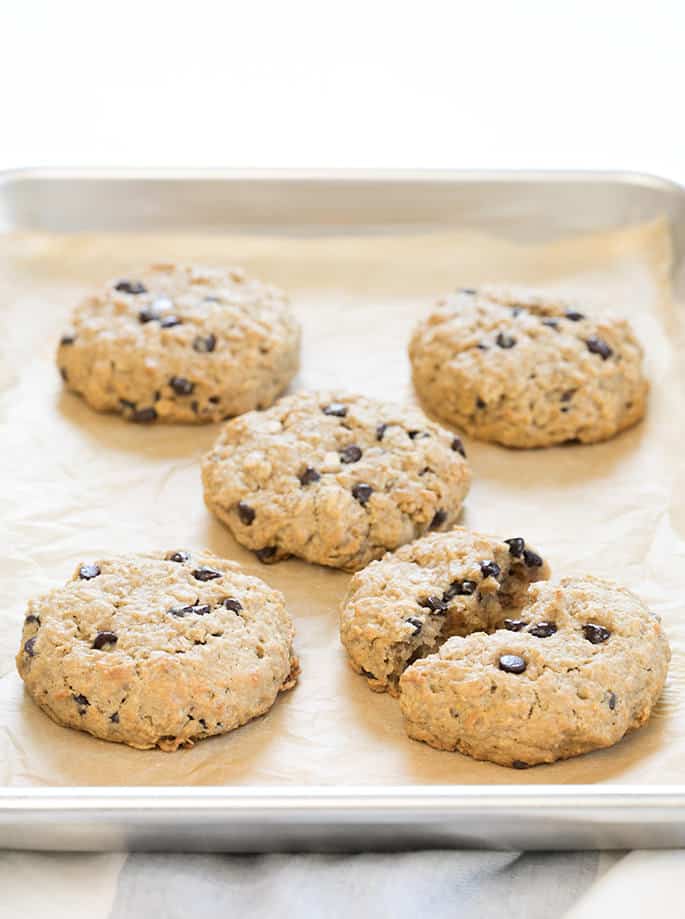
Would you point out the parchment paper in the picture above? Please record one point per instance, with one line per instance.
(75, 484)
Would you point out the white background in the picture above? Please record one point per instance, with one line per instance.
(560, 83)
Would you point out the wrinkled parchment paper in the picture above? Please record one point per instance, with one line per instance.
(75, 484)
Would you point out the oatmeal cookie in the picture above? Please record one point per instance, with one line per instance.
(333, 478)
(527, 371)
(157, 650)
(181, 344)
(405, 606)
(583, 663)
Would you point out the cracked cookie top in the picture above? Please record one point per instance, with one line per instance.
(334, 478)
(405, 606)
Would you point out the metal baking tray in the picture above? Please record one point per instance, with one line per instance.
(531, 206)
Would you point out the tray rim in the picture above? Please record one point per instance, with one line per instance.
(18, 174)
(332, 797)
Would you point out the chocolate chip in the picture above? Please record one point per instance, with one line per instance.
(144, 415)
(418, 625)
(612, 700)
(168, 322)
(181, 386)
(67, 340)
(433, 603)
(88, 572)
(551, 323)
(519, 764)
(568, 395)
(532, 559)
(31, 619)
(127, 404)
(516, 546)
(595, 634)
(246, 513)
(214, 400)
(29, 646)
(597, 345)
(514, 625)
(574, 316)
(362, 493)
(351, 454)
(309, 476)
(471, 291)
(413, 434)
(458, 446)
(459, 589)
(195, 406)
(130, 287)
(180, 556)
(206, 574)
(199, 609)
(512, 663)
(439, 517)
(543, 629)
(490, 569)
(104, 638)
(480, 404)
(335, 408)
(516, 311)
(114, 718)
(233, 605)
(148, 314)
(482, 347)
(266, 554)
(505, 341)
(80, 700)
(380, 431)
(204, 344)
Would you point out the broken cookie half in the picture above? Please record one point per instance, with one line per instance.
(487, 663)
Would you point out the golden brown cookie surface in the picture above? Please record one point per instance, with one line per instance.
(157, 650)
(527, 371)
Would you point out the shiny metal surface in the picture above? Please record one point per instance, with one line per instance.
(332, 819)
(525, 206)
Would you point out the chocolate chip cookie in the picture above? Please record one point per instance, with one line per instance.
(157, 650)
(181, 344)
(582, 664)
(334, 478)
(527, 371)
(405, 606)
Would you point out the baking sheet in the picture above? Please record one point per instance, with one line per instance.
(77, 484)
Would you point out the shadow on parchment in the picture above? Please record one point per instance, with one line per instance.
(113, 432)
(66, 757)
(562, 466)
(381, 716)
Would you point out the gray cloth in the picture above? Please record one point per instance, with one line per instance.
(468, 885)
